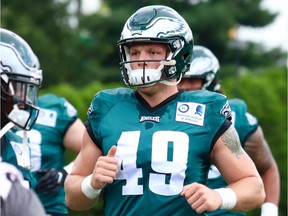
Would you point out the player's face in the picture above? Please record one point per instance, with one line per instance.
(26, 92)
(146, 52)
(190, 84)
(6, 103)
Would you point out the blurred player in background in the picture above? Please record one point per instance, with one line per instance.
(204, 74)
(57, 129)
(20, 81)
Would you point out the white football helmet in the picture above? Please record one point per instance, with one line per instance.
(156, 24)
(20, 80)
(204, 65)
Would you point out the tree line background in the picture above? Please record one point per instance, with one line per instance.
(78, 56)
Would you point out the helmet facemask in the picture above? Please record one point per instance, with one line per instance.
(19, 97)
(168, 68)
(144, 76)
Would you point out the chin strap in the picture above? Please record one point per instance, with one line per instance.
(168, 62)
(167, 82)
(170, 83)
(6, 128)
(26, 149)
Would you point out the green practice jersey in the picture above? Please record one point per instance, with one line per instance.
(12, 152)
(159, 149)
(245, 125)
(46, 143)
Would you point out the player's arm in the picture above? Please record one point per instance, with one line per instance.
(245, 190)
(73, 136)
(89, 161)
(53, 179)
(259, 151)
(238, 170)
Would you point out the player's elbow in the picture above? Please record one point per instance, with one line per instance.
(75, 204)
(257, 195)
(74, 198)
(69, 198)
(261, 194)
(69, 203)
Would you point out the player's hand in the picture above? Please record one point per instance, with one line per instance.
(52, 180)
(105, 169)
(201, 198)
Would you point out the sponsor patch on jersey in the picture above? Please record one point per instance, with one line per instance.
(149, 118)
(47, 117)
(189, 112)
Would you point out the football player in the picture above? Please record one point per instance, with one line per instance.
(148, 149)
(20, 81)
(204, 74)
(56, 130)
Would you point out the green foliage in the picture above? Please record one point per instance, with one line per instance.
(45, 26)
(265, 93)
(74, 47)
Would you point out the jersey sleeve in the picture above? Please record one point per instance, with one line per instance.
(70, 114)
(102, 102)
(65, 113)
(220, 116)
(244, 122)
(95, 115)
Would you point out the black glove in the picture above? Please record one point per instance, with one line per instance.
(51, 181)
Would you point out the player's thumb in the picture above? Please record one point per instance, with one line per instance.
(112, 151)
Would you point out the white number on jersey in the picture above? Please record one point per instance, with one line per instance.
(175, 168)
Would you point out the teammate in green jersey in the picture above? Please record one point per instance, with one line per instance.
(204, 74)
(150, 149)
(57, 129)
(20, 80)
